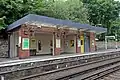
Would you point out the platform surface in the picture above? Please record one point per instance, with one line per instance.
(8, 61)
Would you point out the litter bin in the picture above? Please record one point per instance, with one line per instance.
(32, 52)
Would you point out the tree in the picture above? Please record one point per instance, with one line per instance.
(2, 23)
(14, 9)
(116, 28)
(70, 10)
(103, 12)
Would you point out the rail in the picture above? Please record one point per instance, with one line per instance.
(51, 67)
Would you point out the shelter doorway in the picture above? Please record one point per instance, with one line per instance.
(44, 43)
(87, 43)
(70, 44)
(82, 44)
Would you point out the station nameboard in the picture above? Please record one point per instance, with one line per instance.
(58, 43)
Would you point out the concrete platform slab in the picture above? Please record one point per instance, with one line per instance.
(12, 61)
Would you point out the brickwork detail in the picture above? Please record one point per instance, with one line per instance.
(92, 42)
(23, 32)
(57, 50)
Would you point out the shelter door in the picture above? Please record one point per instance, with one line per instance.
(82, 44)
(87, 42)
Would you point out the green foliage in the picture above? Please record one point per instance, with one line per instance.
(104, 12)
(94, 12)
(116, 22)
(2, 24)
(14, 9)
(116, 28)
(70, 10)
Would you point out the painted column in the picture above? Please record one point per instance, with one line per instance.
(92, 42)
(57, 44)
(23, 42)
(82, 42)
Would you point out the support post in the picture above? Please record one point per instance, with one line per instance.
(92, 42)
(53, 44)
(8, 45)
(24, 51)
(57, 44)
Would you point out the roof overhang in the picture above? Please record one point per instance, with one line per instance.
(52, 22)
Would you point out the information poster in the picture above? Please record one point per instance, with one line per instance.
(79, 43)
(92, 42)
(19, 41)
(25, 43)
(33, 43)
(71, 43)
(57, 43)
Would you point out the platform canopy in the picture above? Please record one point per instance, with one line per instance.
(33, 18)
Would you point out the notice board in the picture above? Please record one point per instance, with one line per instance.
(25, 43)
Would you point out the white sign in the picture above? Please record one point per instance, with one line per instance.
(57, 43)
(79, 43)
(19, 41)
(67, 43)
(92, 42)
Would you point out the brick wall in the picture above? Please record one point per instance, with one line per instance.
(23, 32)
(92, 42)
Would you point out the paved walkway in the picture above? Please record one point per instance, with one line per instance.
(48, 57)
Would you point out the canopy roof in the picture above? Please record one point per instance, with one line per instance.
(58, 22)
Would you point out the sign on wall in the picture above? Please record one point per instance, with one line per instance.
(57, 43)
(79, 43)
(92, 42)
(71, 43)
(25, 43)
(19, 41)
(33, 43)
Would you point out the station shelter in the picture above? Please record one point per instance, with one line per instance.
(41, 35)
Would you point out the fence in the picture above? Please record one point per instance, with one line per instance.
(110, 45)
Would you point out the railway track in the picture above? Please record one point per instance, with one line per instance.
(94, 73)
(112, 76)
(115, 75)
(64, 69)
(91, 68)
(97, 74)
